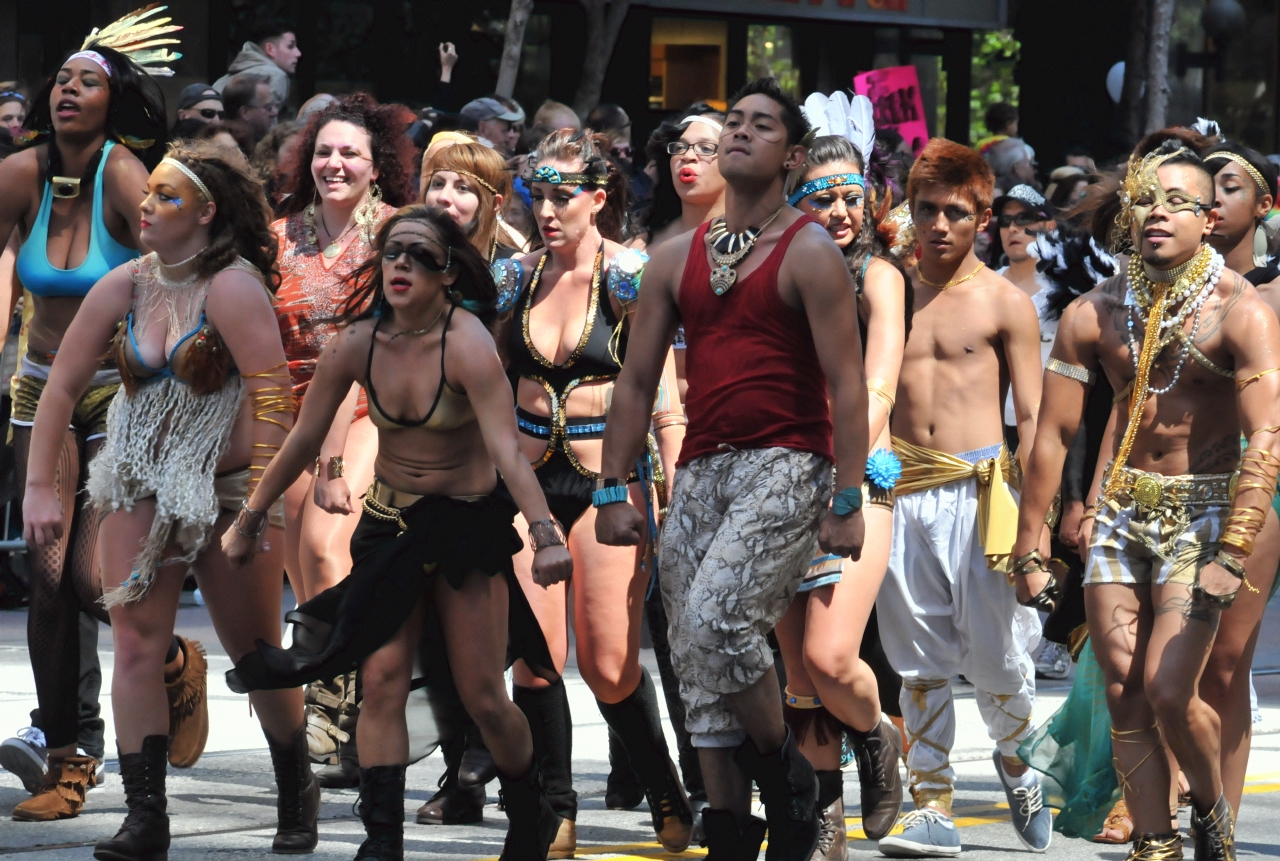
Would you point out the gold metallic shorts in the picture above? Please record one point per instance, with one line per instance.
(90, 415)
(1159, 528)
(232, 488)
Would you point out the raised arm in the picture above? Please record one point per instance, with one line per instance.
(1019, 329)
(885, 293)
(475, 365)
(652, 330)
(822, 281)
(79, 356)
(1252, 335)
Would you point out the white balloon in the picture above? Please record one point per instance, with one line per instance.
(1115, 82)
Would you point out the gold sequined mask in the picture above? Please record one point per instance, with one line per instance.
(1142, 192)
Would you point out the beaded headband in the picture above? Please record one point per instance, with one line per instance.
(478, 179)
(191, 175)
(93, 57)
(835, 180)
(549, 174)
(1244, 163)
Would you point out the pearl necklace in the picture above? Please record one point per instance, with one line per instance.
(160, 269)
(1173, 322)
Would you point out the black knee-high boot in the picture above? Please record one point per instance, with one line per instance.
(144, 836)
(381, 808)
(638, 724)
(551, 725)
(532, 823)
(297, 796)
(622, 790)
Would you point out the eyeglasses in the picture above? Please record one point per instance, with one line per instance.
(212, 113)
(706, 149)
(1022, 219)
(420, 254)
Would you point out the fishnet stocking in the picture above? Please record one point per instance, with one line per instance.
(64, 581)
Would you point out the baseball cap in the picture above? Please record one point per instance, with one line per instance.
(1027, 196)
(489, 108)
(195, 94)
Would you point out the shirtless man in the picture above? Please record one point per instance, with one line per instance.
(943, 609)
(1195, 350)
(768, 329)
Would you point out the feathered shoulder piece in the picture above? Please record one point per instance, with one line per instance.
(851, 120)
(899, 233)
(142, 38)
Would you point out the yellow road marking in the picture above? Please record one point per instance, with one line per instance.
(967, 817)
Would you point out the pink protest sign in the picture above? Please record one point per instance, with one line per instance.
(895, 94)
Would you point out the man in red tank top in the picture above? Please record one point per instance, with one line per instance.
(770, 321)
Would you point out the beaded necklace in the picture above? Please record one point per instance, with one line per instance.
(729, 249)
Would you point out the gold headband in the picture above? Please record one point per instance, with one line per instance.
(191, 175)
(478, 179)
(1244, 163)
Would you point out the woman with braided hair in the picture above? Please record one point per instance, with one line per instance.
(94, 130)
(562, 363)
(205, 403)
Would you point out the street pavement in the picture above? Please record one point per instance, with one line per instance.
(224, 807)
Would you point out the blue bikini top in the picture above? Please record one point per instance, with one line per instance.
(104, 254)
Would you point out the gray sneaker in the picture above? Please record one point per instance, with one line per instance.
(1032, 821)
(926, 833)
(1054, 662)
(26, 756)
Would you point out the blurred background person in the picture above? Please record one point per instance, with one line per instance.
(229, 133)
(248, 97)
(272, 54)
(13, 109)
(495, 121)
(555, 115)
(273, 151)
(200, 102)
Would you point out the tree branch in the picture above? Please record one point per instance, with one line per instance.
(512, 47)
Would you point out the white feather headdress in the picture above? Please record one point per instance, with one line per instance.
(837, 115)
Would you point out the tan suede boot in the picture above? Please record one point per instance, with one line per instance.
(61, 796)
(188, 706)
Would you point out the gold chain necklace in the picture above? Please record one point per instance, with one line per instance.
(954, 282)
(737, 247)
(423, 330)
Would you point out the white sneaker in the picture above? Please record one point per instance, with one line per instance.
(1054, 662)
(26, 755)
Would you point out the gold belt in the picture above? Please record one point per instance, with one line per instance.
(1152, 490)
(386, 496)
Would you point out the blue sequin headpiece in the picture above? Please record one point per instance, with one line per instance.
(835, 180)
(547, 173)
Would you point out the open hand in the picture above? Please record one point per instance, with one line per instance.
(553, 564)
(842, 535)
(619, 525)
(41, 516)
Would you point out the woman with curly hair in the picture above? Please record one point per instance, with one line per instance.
(73, 196)
(436, 529)
(205, 403)
(828, 635)
(350, 170)
(563, 368)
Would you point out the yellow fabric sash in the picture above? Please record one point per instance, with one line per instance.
(925, 469)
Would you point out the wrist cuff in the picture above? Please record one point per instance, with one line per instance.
(609, 495)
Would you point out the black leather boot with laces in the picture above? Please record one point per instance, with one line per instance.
(144, 836)
(789, 791)
(532, 823)
(297, 797)
(725, 841)
(1215, 832)
(381, 808)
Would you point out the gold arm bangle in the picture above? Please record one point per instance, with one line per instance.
(880, 389)
(669, 420)
(1241, 385)
(1071, 372)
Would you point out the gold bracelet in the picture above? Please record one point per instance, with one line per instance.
(336, 467)
(669, 420)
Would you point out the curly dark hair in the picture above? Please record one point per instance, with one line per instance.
(242, 225)
(592, 151)
(393, 153)
(136, 115)
(473, 289)
(666, 206)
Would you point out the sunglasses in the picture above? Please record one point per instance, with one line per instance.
(212, 113)
(419, 253)
(702, 148)
(1022, 219)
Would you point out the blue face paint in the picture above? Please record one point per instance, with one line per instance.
(177, 201)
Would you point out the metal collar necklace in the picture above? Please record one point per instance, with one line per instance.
(729, 249)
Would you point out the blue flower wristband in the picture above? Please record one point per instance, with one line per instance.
(847, 501)
(609, 495)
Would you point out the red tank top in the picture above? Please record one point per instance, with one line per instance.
(753, 372)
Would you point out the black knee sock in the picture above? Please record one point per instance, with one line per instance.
(659, 629)
(551, 725)
(638, 724)
(830, 787)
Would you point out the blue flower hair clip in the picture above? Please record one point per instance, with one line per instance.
(822, 183)
(547, 173)
(883, 468)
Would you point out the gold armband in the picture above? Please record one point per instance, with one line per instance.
(880, 389)
(669, 420)
(1071, 372)
(1241, 385)
(1258, 471)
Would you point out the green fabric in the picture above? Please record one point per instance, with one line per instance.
(1073, 752)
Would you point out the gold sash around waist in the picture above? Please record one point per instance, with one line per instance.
(925, 469)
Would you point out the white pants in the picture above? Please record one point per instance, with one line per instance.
(942, 612)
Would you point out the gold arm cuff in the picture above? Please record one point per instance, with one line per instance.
(1071, 372)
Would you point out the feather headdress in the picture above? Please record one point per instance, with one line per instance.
(851, 120)
(140, 40)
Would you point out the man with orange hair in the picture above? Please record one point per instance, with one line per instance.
(945, 606)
